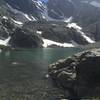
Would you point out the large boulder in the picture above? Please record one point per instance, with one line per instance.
(23, 38)
(79, 74)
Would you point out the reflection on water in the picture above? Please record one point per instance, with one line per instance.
(22, 73)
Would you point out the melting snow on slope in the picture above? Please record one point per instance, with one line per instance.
(39, 4)
(4, 17)
(5, 42)
(27, 17)
(34, 19)
(68, 20)
(39, 32)
(50, 42)
(74, 25)
(17, 22)
(31, 18)
(86, 37)
(79, 29)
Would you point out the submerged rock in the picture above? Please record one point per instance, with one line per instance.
(79, 74)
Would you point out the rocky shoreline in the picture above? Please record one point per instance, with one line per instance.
(79, 75)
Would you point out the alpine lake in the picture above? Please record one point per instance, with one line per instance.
(24, 73)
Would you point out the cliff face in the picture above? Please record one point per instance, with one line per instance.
(79, 74)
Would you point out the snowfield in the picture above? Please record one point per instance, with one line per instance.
(79, 30)
(48, 42)
(5, 42)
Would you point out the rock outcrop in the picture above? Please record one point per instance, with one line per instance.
(23, 38)
(79, 74)
(19, 37)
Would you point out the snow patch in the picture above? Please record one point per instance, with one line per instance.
(79, 30)
(39, 32)
(17, 22)
(5, 42)
(89, 40)
(48, 42)
(74, 25)
(27, 17)
(68, 20)
(33, 18)
(4, 17)
(39, 4)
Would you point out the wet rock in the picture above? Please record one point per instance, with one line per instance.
(79, 74)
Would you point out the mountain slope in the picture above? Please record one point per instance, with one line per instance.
(74, 22)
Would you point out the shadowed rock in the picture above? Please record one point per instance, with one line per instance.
(25, 39)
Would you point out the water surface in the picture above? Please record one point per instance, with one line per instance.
(22, 73)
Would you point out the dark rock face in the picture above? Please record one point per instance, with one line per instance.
(25, 39)
(79, 74)
(62, 34)
(82, 12)
(85, 14)
(20, 10)
(6, 27)
(57, 31)
(59, 8)
(3, 33)
(25, 6)
(20, 37)
(94, 30)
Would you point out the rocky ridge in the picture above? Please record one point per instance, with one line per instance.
(81, 16)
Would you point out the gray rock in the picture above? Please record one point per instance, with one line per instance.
(23, 38)
(79, 74)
